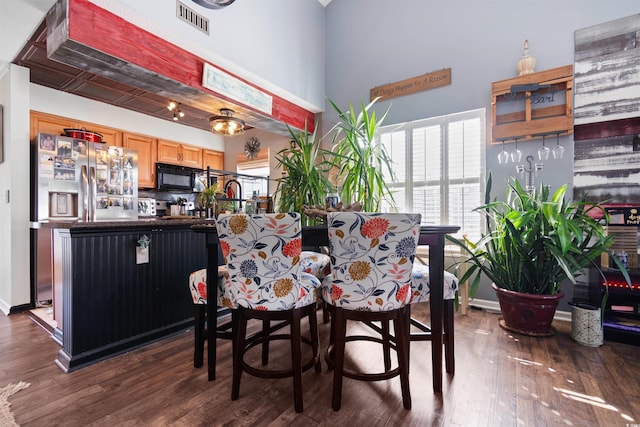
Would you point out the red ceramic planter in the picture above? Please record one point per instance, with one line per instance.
(528, 314)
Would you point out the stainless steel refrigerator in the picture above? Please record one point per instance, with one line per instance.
(76, 180)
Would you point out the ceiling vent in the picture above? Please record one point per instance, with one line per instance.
(192, 17)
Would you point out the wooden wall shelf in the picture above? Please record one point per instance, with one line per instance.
(529, 106)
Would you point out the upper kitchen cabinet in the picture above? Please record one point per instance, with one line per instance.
(48, 123)
(179, 154)
(55, 125)
(146, 148)
(110, 136)
(213, 159)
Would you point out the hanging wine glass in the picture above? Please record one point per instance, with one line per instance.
(516, 155)
(503, 156)
(558, 150)
(543, 152)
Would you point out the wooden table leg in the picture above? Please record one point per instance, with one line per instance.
(436, 275)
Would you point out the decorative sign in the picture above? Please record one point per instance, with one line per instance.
(415, 84)
(225, 84)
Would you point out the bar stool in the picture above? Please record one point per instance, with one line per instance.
(420, 292)
(198, 288)
(262, 254)
(370, 281)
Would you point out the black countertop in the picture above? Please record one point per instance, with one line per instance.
(146, 223)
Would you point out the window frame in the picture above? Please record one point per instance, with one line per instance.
(444, 183)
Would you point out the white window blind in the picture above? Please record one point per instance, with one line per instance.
(438, 165)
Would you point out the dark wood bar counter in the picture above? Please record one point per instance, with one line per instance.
(111, 301)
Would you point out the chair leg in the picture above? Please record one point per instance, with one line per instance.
(339, 323)
(386, 344)
(449, 356)
(239, 337)
(315, 339)
(296, 360)
(265, 343)
(401, 326)
(325, 313)
(407, 320)
(198, 335)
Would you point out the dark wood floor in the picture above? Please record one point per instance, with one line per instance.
(501, 380)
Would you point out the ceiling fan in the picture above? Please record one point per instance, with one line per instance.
(214, 4)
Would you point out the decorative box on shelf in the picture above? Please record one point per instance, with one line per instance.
(528, 106)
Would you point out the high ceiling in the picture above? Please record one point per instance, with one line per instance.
(59, 76)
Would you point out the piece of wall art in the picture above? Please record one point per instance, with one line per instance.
(607, 73)
(607, 169)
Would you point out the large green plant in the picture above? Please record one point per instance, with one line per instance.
(359, 158)
(536, 240)
(305, 169)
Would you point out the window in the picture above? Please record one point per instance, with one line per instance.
(437, 164)
(250, 186)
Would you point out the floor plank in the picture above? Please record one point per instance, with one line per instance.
(502, 379)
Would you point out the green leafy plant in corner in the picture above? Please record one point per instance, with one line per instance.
(536, 240)
(305, 169)
(359, 157)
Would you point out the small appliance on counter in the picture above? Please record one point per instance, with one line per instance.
(146, 207)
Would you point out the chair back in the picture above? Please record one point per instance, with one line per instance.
(262, 253)
(371, 259)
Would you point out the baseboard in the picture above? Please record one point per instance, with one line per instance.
(564, 316)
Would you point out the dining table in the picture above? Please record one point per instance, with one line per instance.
(433, 236)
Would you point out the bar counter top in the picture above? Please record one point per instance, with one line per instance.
(160, 222)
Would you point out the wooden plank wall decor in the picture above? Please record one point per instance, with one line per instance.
(607, 78)
(415, 84)
(86, 36)
(545, 107)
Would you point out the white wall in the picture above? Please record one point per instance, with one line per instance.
(375, 42)
(14, 180)
(277, 44)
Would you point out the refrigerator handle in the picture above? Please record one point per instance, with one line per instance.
(93, 189)
(84, 188)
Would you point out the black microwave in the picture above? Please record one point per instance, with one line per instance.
(176, 178)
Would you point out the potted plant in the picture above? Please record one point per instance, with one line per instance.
(359, 157)
(207, 199)
(304, 179)
(533, 242)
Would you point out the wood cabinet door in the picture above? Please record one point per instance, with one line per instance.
(146, 148)
(168, 152)
(191, 156)
(213, 159)
(110, 136)
(48, 123)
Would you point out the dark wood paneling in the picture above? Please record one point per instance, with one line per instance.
(113, 304)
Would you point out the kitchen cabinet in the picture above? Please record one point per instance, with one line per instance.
(179, 154)
(48, 123)
(146, 148)
(213, 159)
(55, 125)
(110, 136)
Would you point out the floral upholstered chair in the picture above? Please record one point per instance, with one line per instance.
(198, 288)
(420, 292)
(262, 254)
(370, 280)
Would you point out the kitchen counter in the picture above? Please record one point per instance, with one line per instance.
(113, 300)
(127, 223)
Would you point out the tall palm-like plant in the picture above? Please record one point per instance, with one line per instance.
(305, 168)
(359, 158)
